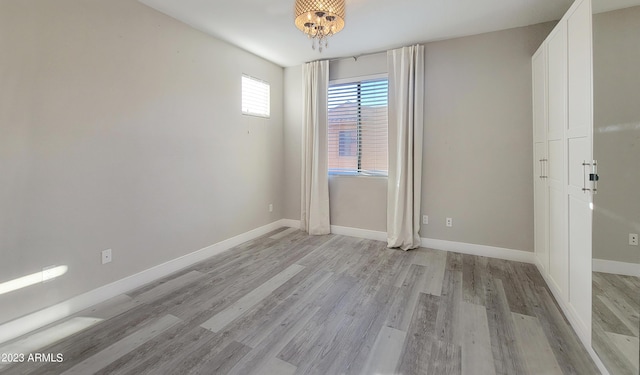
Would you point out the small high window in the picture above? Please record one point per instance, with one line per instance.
(256, 97)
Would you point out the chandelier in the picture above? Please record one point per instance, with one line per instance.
(319, 19)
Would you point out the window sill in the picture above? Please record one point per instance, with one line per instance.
(356, 175)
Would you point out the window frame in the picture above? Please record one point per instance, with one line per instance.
(359, 80)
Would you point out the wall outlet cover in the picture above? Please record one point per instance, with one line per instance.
(106, 256)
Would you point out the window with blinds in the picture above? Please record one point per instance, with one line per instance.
(256, 97)
(357, 127)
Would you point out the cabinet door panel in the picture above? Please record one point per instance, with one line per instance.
(558, 254)
(578, 153)
(557, 82)
(579, 71)
(556, 162)
(580, 256)
(579, 149)
(539, 68)
(541, 203)
(558, 251)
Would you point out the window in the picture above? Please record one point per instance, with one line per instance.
(256, 97)
(357, 127)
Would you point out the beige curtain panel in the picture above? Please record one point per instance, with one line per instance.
(315, 165)
(406, 102)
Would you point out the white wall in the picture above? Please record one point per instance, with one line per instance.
(616, 84)
(477, 145)
(120, 128)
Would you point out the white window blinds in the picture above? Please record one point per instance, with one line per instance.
(256, 97)
(357, 127)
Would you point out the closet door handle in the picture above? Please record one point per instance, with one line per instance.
(584, 173)
(543, 168)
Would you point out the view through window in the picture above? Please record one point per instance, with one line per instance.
(357, 127)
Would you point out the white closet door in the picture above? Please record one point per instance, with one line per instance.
(579, 151)
(541, 203)
(539, 70)
(557, 120)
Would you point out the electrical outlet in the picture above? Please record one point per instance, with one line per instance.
(449, 222)
(270, 207)
(106, 256)
(425, 219)
(633, 239)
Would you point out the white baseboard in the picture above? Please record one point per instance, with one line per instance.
(618, 268)
(290, 223)
(458, 247)
(41, 318)
(345, 231)
(360, 233)
(480, 250)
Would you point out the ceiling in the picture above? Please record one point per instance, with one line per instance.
(265, 27)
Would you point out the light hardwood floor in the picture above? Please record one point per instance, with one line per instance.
(616, 318)
(288, 303)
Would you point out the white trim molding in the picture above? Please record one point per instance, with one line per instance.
(291, 223)
(618, 268)
(431, 243)
(480, 250)
(46, 316)
(360, 233)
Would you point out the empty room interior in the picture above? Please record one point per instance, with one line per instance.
(319, 187)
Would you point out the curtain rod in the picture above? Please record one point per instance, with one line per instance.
(356, 57)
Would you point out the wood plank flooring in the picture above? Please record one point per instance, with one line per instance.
(616, 322)
(289, 303)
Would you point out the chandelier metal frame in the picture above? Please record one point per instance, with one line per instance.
(319, 19)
